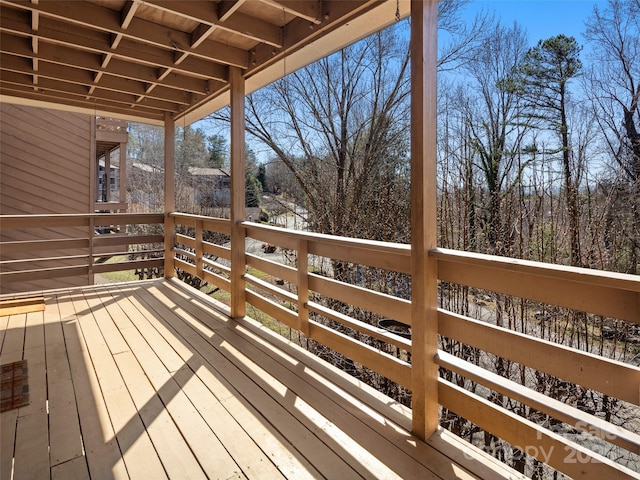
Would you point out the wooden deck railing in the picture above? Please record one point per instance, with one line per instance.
(196, 256)
(58, 246)
(602, 293)
(112, 131)
(331, 312)
(111, 124)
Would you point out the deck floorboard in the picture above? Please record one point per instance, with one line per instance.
(153, 380)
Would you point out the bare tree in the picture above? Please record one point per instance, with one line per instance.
(145, 169)
(460, 46)
(615, 78)
(613, 83)
(340, 127)
(493, 121)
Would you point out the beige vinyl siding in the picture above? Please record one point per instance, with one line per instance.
(45, 161)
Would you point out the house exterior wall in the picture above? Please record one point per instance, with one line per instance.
(45, 167)
(211, 187)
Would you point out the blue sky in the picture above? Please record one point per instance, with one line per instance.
(542, 18)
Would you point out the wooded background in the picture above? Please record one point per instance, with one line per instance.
(538, 159)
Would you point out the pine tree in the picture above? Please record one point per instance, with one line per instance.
(545, 74)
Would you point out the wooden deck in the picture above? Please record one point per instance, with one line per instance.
(153, 380)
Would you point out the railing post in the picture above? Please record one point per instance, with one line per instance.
(303, 286)
(238, 233)
(122, 174)
(199, 262)
(169, 243)
(92, 230)
(106, 184)
(93, 169)
(424, 321)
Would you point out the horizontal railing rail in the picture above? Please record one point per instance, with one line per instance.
(310, 302)
(604, 294)
(71, 245)
(194, 255)
(12, 222)
(103, 123)
(201, 258)
(110, 206)
(391, 363)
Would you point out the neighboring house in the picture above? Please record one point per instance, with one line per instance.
(114, 180)
(206, 187)
(111, 137)
(211, 186)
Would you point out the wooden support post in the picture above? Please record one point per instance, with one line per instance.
(424, 321)
(93, 185)
(303, 286)
(122, 174)
(238, 234)
(107, 176)
(97, 194)
(169, 194)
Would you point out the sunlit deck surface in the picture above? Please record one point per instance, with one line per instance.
(153, 380)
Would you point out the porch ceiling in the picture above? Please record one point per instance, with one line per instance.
(139, 59)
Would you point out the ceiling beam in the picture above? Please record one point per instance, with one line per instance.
(253, 28)
(104, 19)
(63, 55)
(57, 32)
(70, 100)
(238, 23)
(59, 89)
(309, 10)
(226, 8)
(128, 12)
(127, 89)
(18, 98)
(200, 34)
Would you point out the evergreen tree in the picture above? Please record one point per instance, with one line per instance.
(262, 176)
(545, 73)
(218, 151)
(191, 149)
(253, 190)
(253, 187)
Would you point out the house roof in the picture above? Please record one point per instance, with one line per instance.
(139, 59)
(145, 167)
(101, 163)
(208, 172)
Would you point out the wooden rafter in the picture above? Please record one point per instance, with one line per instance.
(310, 11)
(147, 58)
